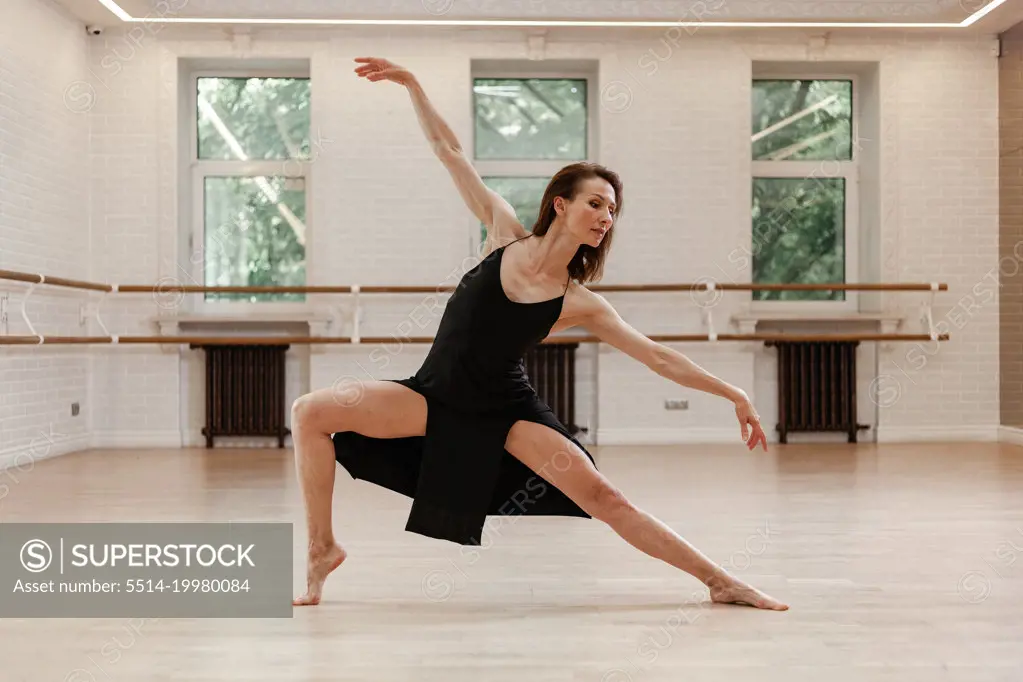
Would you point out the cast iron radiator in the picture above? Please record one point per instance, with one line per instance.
(817, 387)
(244, 391)
(551, 371)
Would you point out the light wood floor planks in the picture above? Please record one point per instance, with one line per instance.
(899, 562)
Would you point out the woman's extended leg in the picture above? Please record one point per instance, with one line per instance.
(561, 463)
(378, 409)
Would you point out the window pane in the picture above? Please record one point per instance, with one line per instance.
(254, 235)
(802, 120)
(533, 118)
(798, 236)
(524, 195)
(253, 118)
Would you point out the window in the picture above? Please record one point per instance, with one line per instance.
(526, 129)
(804, 186)
(251, 148)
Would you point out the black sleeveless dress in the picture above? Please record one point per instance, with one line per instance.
(476, 388)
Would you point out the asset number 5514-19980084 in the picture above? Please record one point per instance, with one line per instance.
(189, 585)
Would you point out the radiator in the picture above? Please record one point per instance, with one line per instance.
(817, 387)
(245, 391)
(551, 371)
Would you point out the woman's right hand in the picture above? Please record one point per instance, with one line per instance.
(379, 69)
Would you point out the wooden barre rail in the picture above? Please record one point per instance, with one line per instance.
(53, 281)
(383, 289)
(369, 340)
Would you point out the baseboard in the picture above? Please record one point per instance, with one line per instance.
(1010, 434)
(909, 434)
(632, 436)
(136, 439)
(197, 440)
(24, 457)
(924, 434)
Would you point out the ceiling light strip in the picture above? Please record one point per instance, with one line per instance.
(539, 23)
(983, 11)
(116, 9)
(525, 23)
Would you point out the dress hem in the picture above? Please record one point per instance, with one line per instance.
(504, 485)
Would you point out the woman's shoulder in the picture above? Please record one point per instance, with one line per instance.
(581, 303)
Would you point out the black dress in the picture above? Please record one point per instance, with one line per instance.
(476, 388)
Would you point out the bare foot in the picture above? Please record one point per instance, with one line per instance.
(728, 590)
(322, 561)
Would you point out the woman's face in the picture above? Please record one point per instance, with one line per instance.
(590, 215)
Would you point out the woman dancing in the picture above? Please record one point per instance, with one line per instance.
(468, 436)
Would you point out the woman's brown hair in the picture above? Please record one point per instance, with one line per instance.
(588, 263)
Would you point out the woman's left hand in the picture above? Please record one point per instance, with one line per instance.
(379, 69)
(752, 433)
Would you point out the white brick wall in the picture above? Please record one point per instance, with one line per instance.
(44, 226)
(382, 210)
(947, 174)
(135, 389)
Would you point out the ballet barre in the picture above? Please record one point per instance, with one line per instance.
(702, 285)
(551, 340)
(705, 285)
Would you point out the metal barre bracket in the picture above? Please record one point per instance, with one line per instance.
(24, 308)
(708, 320)
(926, 312)
(356, 314)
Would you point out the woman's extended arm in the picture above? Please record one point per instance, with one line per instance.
(488, 206)
(592, 311)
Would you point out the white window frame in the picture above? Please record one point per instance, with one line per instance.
(847, 170)
(523, 168)
(203, 168)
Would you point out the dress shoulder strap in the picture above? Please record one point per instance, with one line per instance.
(518, 240)
(501, 249)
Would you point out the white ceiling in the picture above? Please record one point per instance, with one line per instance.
(914, 12)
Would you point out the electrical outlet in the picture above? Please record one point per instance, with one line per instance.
(676, 404)
(74, 409)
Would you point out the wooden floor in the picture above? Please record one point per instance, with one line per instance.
(899, 562)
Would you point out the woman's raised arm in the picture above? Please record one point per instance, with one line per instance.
(488, 206)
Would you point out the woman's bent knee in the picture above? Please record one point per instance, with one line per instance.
(300, 409)
(313, 411)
